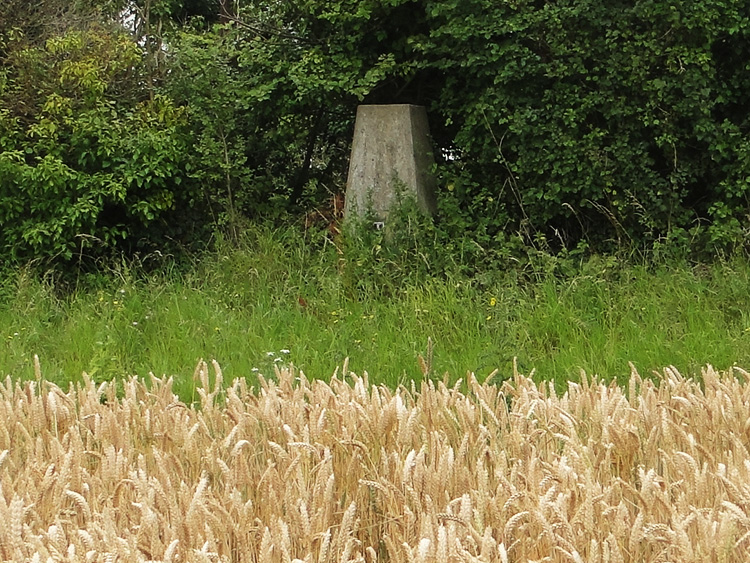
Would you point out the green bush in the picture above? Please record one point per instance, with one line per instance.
(89, 165)
(565, 125)
(616, 123)
(272, 99)
(569, 124)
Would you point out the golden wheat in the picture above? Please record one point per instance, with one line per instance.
(342, 472)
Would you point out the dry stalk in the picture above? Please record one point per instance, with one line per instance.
(303, 470)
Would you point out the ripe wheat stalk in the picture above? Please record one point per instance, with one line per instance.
(301, 470)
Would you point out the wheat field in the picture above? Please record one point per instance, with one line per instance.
(301, 470)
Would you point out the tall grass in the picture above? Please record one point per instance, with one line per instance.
(281, 291)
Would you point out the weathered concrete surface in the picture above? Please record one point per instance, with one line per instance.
(391, 144)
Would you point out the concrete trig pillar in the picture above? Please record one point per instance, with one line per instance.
(391, 143)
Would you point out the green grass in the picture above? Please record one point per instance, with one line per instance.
(242, 308)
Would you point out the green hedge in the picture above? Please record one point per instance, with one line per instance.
(608, 124)
(572, 123)
(90, 164)
(603, 122)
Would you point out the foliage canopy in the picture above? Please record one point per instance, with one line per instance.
(573, 124)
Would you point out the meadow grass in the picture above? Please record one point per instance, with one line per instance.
(280, 291)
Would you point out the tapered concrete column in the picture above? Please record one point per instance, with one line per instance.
(391, 146)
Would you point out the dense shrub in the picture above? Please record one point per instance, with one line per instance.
(89, 163)
(596, 121)
(568, 123)
(272, 98)
(563, 125)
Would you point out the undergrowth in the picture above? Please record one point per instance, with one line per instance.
(283, 296)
